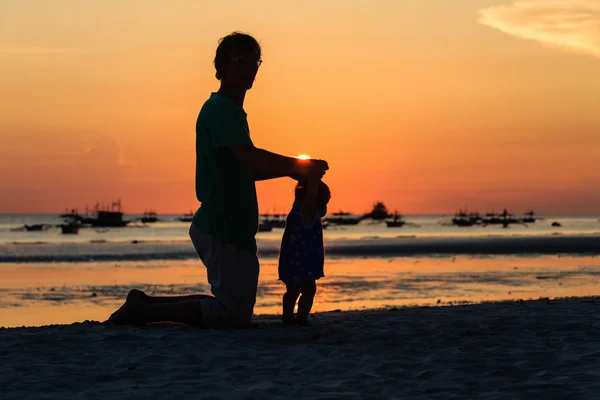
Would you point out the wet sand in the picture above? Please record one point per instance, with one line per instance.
(34, 294)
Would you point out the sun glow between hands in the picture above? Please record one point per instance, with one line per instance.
(303, 157)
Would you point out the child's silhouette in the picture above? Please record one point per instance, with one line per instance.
(302, 256)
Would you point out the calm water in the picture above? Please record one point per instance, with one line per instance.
(173, 230)
(47, 277)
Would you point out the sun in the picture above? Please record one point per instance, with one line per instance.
(303, 157)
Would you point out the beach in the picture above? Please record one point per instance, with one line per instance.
(427, 312)
(508, 350)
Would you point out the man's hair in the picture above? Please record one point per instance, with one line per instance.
(235, 42)
(322, 193)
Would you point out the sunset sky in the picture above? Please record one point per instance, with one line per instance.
(428, 106)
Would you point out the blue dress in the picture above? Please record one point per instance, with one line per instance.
(302, 255)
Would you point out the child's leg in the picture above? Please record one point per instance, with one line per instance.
(289, 301)
(308, 288)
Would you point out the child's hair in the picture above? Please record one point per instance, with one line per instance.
(323, 193)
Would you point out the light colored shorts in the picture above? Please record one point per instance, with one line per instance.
(233, 277)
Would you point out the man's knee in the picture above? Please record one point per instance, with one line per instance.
(213, 314)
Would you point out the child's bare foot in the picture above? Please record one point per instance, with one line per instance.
(288, 320)
(131, 312)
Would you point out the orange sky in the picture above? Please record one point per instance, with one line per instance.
(428, 106)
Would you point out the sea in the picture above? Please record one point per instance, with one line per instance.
(47, 277)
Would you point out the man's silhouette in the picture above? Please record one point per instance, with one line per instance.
(224, 227)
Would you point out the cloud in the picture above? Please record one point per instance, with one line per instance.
(35, 50)
(571, 25)
(106, 152)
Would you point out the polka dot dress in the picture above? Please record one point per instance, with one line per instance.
(301, 255)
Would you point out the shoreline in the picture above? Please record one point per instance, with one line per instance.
(259, 320)
(398, 247)
(50, 293)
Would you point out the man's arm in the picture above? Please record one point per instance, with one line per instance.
(261, 176)
(268, 165)
(229, 131)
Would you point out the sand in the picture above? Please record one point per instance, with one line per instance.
(511, 350)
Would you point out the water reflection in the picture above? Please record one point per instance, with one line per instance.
(37, 294)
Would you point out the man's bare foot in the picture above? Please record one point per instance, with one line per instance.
(131, 312)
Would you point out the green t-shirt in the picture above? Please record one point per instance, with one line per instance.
(226, 188)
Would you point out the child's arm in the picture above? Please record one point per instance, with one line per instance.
(309, 203)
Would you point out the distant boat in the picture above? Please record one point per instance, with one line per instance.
(379, 212)
(150, 217)
(187, 217)
(70, 228)
(491, 219)
(505, 219)
(529, 217)
(72, 215)
(464, 219)
(265, 227)
(275, 220)
(396, 222)
(37, 227)
(279, 223)
(342, 220)
(107, 216)
(341, 213)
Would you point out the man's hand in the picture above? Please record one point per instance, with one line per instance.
(318, 170)
(312, 169)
